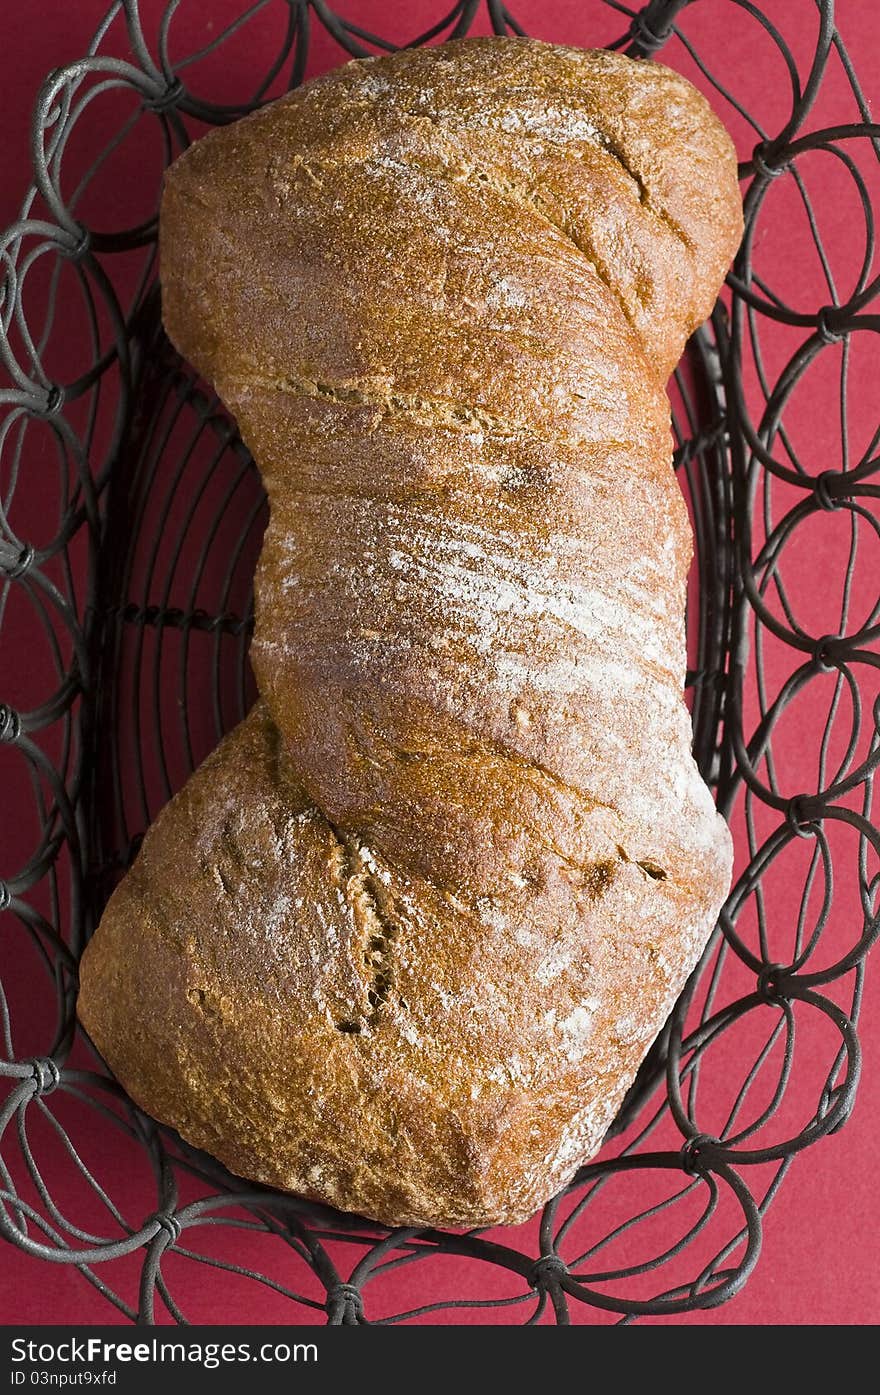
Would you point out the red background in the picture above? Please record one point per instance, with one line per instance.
(821, 1255)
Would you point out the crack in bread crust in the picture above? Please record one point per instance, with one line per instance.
(430, 411)
(358, 880)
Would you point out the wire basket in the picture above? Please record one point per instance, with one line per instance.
(130, 522)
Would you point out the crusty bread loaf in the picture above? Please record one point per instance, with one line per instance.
(403, 940)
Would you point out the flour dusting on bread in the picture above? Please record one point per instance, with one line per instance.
(404, 939)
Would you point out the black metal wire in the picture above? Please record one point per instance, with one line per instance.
(158, 500)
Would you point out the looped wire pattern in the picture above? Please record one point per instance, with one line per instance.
(128, 589)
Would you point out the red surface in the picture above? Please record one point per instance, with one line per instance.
(821, 1255)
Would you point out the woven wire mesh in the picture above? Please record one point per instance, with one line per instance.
(130, 521)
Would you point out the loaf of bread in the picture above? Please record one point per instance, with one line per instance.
(403, 941)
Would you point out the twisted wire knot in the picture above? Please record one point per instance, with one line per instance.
(646, 37)
(46, 1075)
(341, 1295)
(799, 815)
(547, 1271)
(21, 564)
(167, 98)
(773, 979)
(78, 249)
(53, 401)
(822, 489)
(762, 155)
(823, 652)
(826, 325)
(827, 1103)
(168, 1222)
(696, 1153)
(10, 724)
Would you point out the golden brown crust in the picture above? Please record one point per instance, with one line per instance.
(403, 941)
(322, 1022)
